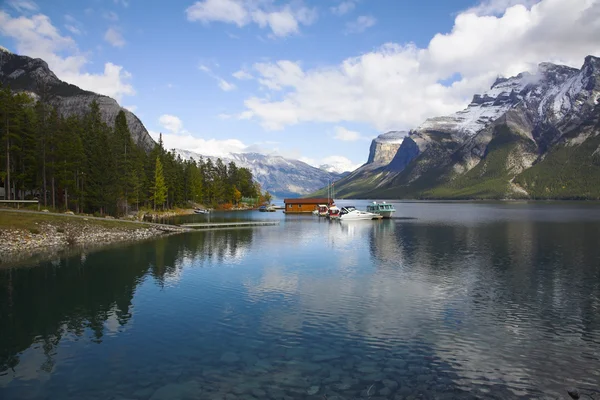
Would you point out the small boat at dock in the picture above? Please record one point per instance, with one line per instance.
(350, 213)
(201, 211)
(383, 209)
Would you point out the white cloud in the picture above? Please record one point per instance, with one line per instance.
(73, 29)
(131, 108)
(398, 86)
(346, 135)
(282, 20)
(124, 3)
(114, 37)
(223, 84)
(337, 164)
(171, 123)
(110, 15)
(73, 25)
(344, 7)
(361, 24)
(497, 7)
(242, 75)
(226, 86)
(208, 147)
(23, 6)
(36, 37)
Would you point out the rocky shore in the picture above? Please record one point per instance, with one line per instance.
(64, 232)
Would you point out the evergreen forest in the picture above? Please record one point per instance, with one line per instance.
(84, 165)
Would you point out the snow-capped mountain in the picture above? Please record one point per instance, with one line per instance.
(282, 177)
(511, 139)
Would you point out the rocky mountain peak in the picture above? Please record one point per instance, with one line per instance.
(32, 75)
(384, 147)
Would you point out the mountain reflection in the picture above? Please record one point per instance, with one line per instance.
(91, 294)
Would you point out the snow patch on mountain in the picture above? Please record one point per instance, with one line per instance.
(281, 176)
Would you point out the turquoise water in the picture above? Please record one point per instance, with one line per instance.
(448, 300)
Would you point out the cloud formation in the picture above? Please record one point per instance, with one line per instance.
(346, 135)
(281, 20)
(361, 24)
(114, 37)
(398, 86)
(223, 84)
(171, 123)
(344, 7)
(36, 36)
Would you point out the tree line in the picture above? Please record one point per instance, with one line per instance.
(84, 165)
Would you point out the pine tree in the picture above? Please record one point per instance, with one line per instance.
(160, 188)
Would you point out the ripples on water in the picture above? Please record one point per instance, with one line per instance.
(463, 301)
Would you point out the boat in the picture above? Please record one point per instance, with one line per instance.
(334, 212)
(322, 210)
(350, 213)
(271, 208)
(262, 209)
(201, 211)
(383, 209)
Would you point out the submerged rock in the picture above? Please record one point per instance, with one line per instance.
(178, 391)
(230, 357)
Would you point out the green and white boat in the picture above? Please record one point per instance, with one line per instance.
(383, 209)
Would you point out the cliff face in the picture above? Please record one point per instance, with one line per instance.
(384, 147)
(534, 135)
(25, 74)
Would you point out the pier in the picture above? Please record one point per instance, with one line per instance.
(224, 225)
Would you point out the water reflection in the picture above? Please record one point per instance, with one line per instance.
(496, 307)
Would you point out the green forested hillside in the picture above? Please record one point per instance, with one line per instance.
(84, 165)
(567, 172)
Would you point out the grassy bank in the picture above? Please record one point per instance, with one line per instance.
(24, 234)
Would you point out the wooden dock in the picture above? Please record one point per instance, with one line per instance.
(224, 225)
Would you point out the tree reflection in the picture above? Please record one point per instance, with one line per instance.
(77, 294)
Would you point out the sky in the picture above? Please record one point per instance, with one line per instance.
(314, 80)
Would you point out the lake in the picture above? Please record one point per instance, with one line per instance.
(447, 300)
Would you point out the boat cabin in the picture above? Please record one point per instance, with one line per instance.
(300, 206)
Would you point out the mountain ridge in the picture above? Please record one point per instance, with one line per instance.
(485, 150)
(32, 75)
(280, 176)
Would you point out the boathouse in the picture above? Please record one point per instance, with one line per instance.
(297, 206)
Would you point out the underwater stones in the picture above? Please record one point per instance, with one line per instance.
(313, 390)
(259, 393)
(178, 391)
(143, 393)
(392, 385)
(229, 357)
(325, 357)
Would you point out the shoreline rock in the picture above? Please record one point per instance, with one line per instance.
(51, 237)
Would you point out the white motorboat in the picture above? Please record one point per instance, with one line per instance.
(350, 213)
(201, 211)
(383, 209)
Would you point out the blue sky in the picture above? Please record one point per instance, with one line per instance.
(308, 79)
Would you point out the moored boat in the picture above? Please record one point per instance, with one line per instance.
(383, 209)
(201, 211)
(322, 210)
(350, 213)
(334, 212)
(262, 209)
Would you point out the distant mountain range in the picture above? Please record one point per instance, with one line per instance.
(282, 177)
(532, 136)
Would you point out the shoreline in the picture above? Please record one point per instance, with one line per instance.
(27, 234)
